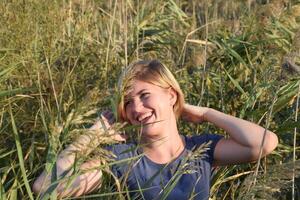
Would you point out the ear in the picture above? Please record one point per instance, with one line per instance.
(173, 96)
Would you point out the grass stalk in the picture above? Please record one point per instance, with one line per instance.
(268, 119)
(110, 40)
(295, 143)
(67, 47)
(203, 75)
(53, 88)
(125, 24)
(20, 153)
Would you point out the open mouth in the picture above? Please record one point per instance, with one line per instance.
(145, 118)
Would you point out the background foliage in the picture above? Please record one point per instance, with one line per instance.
(59, 63)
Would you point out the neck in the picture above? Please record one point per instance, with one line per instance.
(164, 147)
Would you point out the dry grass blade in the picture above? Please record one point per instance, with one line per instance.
(275, 184)
(294, 144)
(201, 42)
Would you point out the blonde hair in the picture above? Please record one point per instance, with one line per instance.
(151, 71)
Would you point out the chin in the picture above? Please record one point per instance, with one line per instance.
(150, 130)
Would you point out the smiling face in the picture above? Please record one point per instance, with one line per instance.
(151, 106)
(144, 92)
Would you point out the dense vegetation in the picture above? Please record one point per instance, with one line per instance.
(60, 60)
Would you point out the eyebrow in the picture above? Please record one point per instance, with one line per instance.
(143, 90)
(130, 96)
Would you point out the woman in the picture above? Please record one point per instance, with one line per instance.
(163, 162)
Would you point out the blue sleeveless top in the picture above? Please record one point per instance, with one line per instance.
(186, 177)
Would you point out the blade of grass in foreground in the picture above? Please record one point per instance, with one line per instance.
(20, 154)
(6, 72)
(235, 83)
(2, 192)
(295, 143)
(13, 193)
(14, 91)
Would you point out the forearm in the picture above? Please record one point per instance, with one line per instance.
(87, 180)
(64, 166)
(246, 142)
(243, 132)
(81, 147)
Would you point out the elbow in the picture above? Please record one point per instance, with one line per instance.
(41, 184)
(271, 142)
(39, 188)
(36, 187)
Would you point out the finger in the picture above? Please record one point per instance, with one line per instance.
(96, 126)
(104, 122)
(120, 138)
(111, 118)
(108, 121)
(105, 114)
(111, 115)
(108, 115)
(103, 117)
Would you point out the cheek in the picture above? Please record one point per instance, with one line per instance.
(166, 108)
(161, 105)
(128, 115)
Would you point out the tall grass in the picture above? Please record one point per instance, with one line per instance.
(59, 63)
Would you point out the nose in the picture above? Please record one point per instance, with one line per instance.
(136, 106)
(134, 109)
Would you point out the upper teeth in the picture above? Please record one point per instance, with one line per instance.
(142, 117)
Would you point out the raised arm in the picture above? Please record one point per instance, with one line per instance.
(245, 141)
(80, 185)
(86, 182)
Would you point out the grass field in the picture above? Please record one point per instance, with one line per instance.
(60, 61)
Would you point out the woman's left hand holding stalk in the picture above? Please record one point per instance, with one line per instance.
(83, 145)
(101, 130)
(104, 124)
(245, 138)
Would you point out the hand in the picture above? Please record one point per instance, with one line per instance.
(195, 114)
(105, 122)
(107, 119)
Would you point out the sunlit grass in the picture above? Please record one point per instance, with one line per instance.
(60, 60)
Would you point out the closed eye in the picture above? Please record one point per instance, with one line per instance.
(144, 95)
